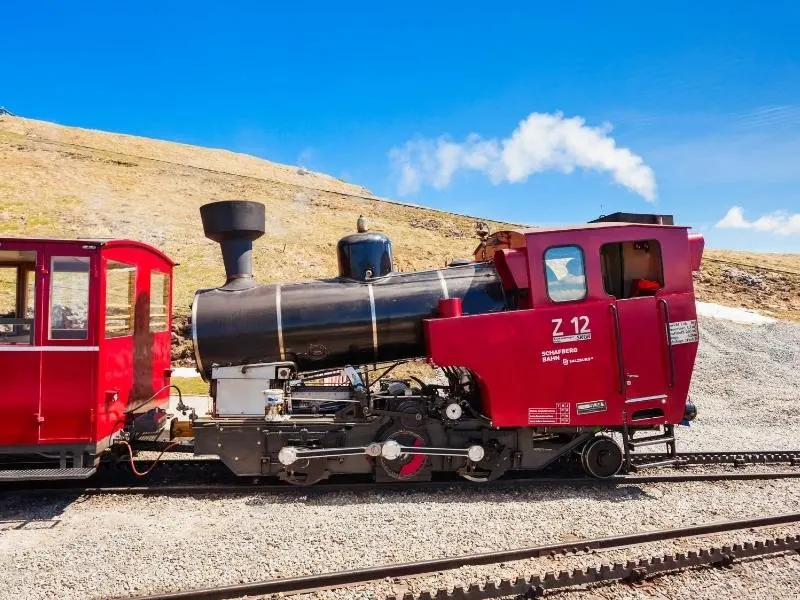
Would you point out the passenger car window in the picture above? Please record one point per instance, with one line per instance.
(69, 298)
(566, 276)
(159, 301)
(17, 296)
(120, 296)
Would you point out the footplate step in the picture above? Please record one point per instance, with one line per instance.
(46, 474)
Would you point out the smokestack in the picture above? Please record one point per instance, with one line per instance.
(234, 224)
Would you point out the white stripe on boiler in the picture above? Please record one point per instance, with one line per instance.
(280, 321)
(445, 293)
(374, 320)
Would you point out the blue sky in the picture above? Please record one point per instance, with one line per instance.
(522, 111)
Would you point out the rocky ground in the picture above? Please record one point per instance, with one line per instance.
(746, 388)
(769, 283)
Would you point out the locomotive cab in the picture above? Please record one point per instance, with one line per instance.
(610, 332)
(84, 350)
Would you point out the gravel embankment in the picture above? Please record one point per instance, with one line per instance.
(745, 388)
(134, 545)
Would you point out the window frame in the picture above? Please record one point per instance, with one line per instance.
(167, 289)
(51, 276)
(661, 272)
(132, 283)
(24, 274)
(547, 282)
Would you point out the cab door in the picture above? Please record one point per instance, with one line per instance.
(634, 281)
(70, 355)
(643, 375)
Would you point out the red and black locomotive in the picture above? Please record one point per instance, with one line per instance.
(549, 340)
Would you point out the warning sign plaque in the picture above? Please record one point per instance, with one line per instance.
(559, 414)
(683, 332)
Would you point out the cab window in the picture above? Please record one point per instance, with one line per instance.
(632, 269)
(566, 274)
(17, 296)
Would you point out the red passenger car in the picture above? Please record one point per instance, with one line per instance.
(84, 349)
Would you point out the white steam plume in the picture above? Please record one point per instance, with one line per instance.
(541, 142)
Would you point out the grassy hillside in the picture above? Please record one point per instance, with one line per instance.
(70, 182)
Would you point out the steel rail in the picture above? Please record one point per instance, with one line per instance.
(185, 476)
(722, 457)
(236, 488)
(687, 458)
(632, 572)
(735, 457)
(310, 583)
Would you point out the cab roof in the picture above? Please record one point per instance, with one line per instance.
(583, 226)
(99, 242)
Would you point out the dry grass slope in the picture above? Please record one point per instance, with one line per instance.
(69, 182)
(766, 282)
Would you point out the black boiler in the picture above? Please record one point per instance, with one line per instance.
(334, 322)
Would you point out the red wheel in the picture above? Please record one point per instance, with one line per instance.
(406, 466)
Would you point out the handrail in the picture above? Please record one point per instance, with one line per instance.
(618, 343)
(663, 302)
(15, 321)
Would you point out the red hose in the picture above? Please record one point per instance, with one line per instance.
(151, 467)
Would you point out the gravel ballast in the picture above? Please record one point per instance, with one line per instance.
(745, 388)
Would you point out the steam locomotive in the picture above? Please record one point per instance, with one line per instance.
(549, 340)
(569, 344)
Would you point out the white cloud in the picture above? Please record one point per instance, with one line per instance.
(541, 142)
(780, 222)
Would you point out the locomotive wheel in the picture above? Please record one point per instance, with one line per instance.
(602, 457)
(407, 466)
(493, 466)
(475, 476)
(307, 473)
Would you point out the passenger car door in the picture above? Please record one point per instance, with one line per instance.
(70, 348)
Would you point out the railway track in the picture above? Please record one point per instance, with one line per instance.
(233, 487)
(534, 586)
(734, 458)
(209, 476)
(640, 460)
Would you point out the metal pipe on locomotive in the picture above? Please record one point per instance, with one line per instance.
(549, 341)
